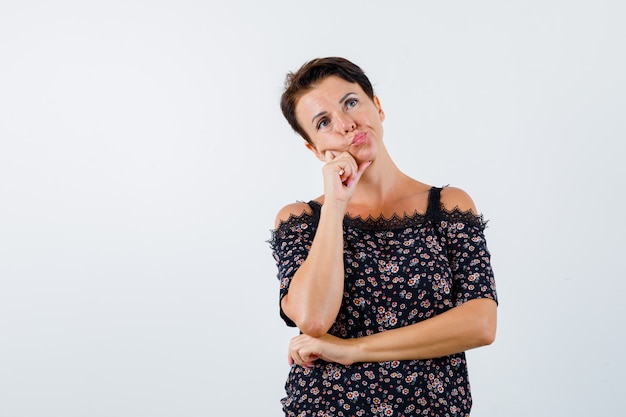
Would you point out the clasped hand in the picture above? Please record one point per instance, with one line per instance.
(304, 350)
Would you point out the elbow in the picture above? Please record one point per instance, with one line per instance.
(487, 336)
(486, 330)
(310, 323)
(313, 327)
(482, 322)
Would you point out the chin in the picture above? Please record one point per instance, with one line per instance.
(363, 155)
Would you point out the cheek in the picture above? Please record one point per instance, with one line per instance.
(315, 151)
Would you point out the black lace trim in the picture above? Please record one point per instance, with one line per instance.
(456, 215)
(294, 220)
(381, 222)
(395, 222)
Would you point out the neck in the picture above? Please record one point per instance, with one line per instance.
(381, 182)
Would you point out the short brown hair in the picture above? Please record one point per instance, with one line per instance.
(312, 72)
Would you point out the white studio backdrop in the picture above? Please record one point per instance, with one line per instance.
(143, 158)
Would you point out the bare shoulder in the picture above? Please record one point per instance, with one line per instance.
(452, 197)
(293, 209)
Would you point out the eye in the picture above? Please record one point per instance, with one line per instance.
(322, 124)
(351, 102)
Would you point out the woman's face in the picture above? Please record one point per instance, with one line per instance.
(339, 117)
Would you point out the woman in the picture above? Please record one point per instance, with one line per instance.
(388, 279)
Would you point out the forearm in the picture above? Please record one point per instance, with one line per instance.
(316, 290)
(467, 326)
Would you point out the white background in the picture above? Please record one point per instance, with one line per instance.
(143, 157)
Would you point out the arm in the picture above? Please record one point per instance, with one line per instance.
(468, 326)
(316, 289)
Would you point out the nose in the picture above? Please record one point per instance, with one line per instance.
(344, 123)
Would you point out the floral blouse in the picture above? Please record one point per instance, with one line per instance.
(398, 272)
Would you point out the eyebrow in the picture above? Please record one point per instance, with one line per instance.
(341, 100)
(345, 97)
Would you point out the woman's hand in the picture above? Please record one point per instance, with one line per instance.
(341, 174)
(304, 350)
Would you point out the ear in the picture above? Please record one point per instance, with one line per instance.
(381, 113)
(314, 150)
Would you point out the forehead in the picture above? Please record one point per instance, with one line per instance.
(325, 93)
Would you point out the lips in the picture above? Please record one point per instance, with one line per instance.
(359, 138)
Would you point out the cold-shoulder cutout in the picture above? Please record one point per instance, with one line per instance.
(291, 210)
(453, 198)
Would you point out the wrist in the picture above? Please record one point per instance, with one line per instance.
(355, 350)
(334, 208)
